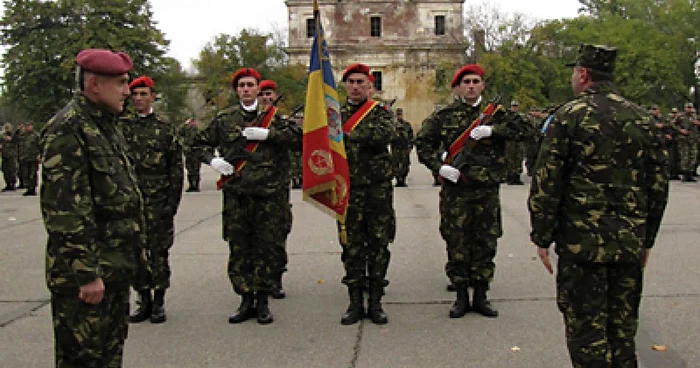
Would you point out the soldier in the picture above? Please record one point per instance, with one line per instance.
(537, 118)
(666, 133)
(401, 148)
(21, 169)
(515, 150)
(266, 97)
(370, 222)
(188, 134)
(470, 217)
(29, 158)
(599, 192)
(156, 154)
(256, 213)
(687, 142)
(9, 158)
(92, 212)
(297, 169)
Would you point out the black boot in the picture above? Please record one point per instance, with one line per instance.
(481, 303)
(688, 177)
(461, 305)
(8, 188)
(30, 192)
(264, 314)
(356, 309)
(245, 310)
(516, 179)
(451, 287)
(145, 306)
(401, 182)
(278, 290)
(190, 187)
(158, 313)
(375, 311)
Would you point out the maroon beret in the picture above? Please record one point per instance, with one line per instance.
(104, 62)
(371, 77)
(268, 84)
(244, 72)
(467, 69)
(356, 68)
(142, 81)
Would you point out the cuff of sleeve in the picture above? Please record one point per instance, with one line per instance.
(87, 276)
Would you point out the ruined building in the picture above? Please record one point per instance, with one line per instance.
(412, 46)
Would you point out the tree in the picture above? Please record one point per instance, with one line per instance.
(43, 38)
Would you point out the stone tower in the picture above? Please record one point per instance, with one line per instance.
(412, 46)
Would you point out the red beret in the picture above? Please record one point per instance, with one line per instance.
(268, 84)
(142, 81)
(356, 68)
(104, 62)
(467, 69)
(244, 72)
(371, 78)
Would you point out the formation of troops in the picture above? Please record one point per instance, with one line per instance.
(112, 180)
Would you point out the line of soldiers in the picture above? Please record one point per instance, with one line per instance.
(680, 132)
(20, 158)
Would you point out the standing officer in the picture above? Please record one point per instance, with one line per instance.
(256, 214)
(470, 210)
(599, 192)
(21, 169)
(401, 148)
(156, 154)
(266, 97)
(370, 222)
(92, 211)
(515, 150)
(188, 133)
(666, 133)
(29, 158)
(687, 142)
(9, 158)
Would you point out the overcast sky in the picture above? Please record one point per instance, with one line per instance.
(190, 24)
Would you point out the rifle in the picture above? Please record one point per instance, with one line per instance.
(460, 159)
(238, 149)
(296, 110)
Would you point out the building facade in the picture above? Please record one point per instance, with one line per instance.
(412, 46)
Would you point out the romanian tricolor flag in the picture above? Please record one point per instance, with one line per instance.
(326, 178)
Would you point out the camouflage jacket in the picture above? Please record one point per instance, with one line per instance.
(600, 184)
(90, 201)
(685, 121)
(268, 172)
(156, 154)
(188, 136)
(404, 137)
(30, 150)
(8, 147)
(486, 165)
(367, 146)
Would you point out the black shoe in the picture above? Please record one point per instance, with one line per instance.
(278, 290)
(451, 287)
(158, 312)
(400, 183)
(245, 310)
(461, 304)
(356, 311)
(481, 304)
(190, 190)
(145, 307)
(29, 192)
(8, 189)
(263, 309)
(375, 311)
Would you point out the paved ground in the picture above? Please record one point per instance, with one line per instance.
(307, 333)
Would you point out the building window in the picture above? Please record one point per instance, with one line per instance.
(377, 80)
(376, 26)
(439, 25)
(310, 27)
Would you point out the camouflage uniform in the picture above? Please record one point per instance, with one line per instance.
(9, 160)
(687, 144)
(156, 155)
(470, 211)
(29, 159)
(401, 147)
(668, 134)
(296, 158)
(188, 134)
(515, 151)
(370, 220)
(256, 212)
(599, 192)
(21, 168)
(92, 211)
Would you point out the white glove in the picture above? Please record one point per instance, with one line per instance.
(481, 132)
(450, 173)
(221, 166)
(256, 134)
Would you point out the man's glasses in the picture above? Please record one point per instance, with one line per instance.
(471, 81)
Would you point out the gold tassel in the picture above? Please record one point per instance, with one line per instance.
(343, 234)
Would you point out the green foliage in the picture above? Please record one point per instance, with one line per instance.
(43, 38)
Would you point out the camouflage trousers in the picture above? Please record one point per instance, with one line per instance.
(470, 224)
(515, 153)
(90, 336)
(600, 305)
(9, 171)
(193, 166)
(370, 226)
(160, 235)
(256, 229)
(687, 150)
(402, 160)
(28, 173)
